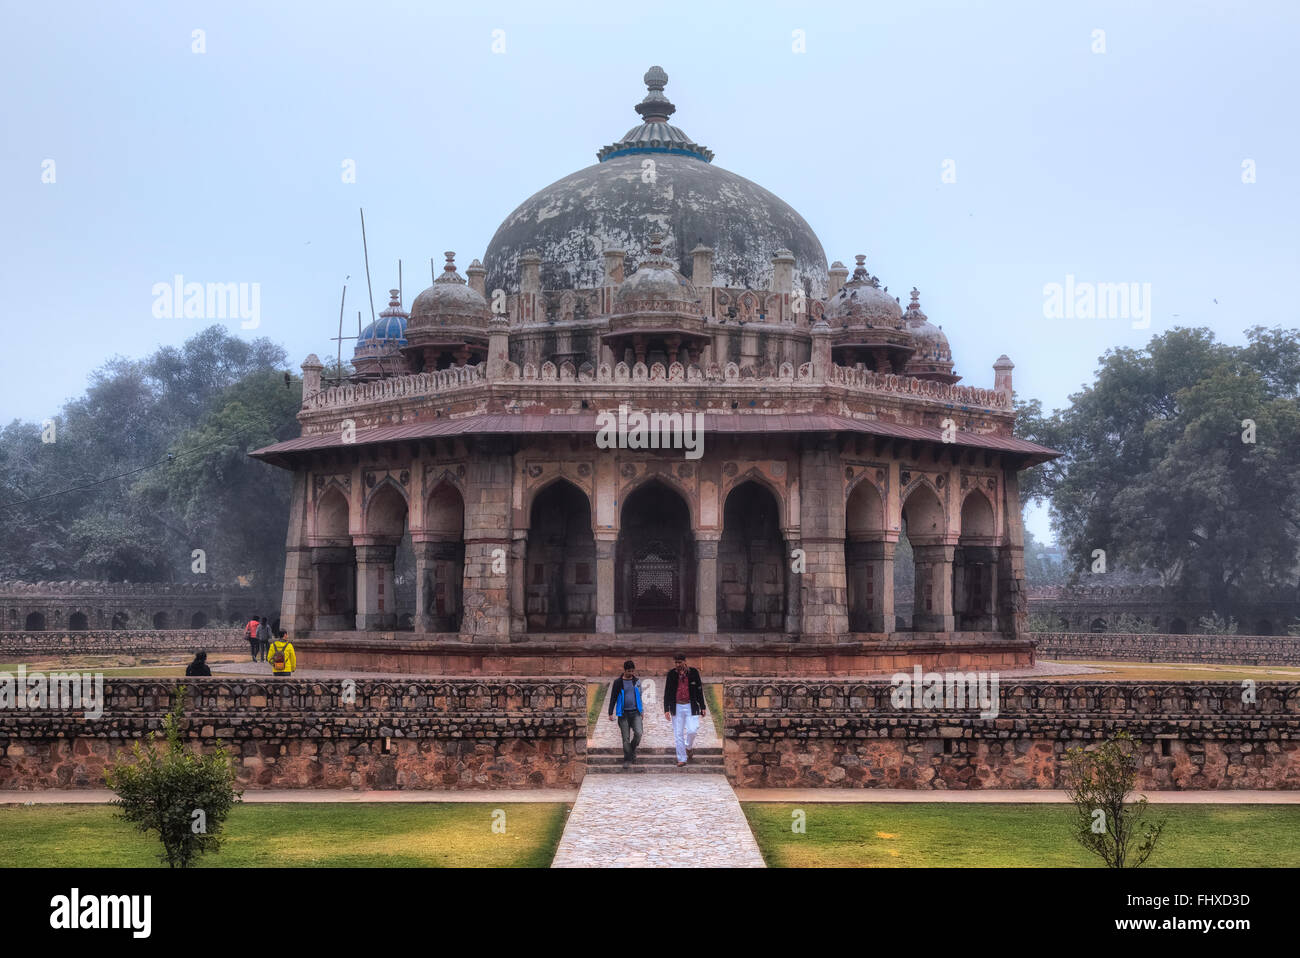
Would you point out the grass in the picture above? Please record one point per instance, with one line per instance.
(595, 696)
(713, 697)
(1180, 671)
(1017, 836)
(334, 834)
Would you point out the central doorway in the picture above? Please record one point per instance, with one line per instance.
(655, 587)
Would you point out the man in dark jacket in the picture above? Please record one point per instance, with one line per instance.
(200, 665)
(625, 703)
(683, 706)
(263, 637)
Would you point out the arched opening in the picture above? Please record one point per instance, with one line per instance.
(751, 562)
(198, 621)
(560, 562)
(381, 604)
(119, 620)
(868, 561)
(1063, 625)
(161, 620)
(35, 622)
(334, 563)
(1098, 625)
(1263, 627)
(924, 526)
(655, 586)
(975, 565)
(1178, 627)
(78, 622)
(440, 561)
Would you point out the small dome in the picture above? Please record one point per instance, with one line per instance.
(450, 301)
(657, 286)
(931, 343)
(861, 302)
(387, 334)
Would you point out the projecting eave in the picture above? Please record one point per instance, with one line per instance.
(1025, 453)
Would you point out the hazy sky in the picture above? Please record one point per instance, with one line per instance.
(226, 166)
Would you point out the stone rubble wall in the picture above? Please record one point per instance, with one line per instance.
(297, 733)
(849, 735)
(1222, 649)
(122, 642)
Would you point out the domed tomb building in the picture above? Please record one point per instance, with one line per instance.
(653, 419)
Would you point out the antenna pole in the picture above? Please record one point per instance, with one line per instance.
(338, 361)
(366, 250)
(399, 281)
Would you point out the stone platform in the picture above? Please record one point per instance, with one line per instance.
(731, 654)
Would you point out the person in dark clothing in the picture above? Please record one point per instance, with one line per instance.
(200, 665)
(683, 706)
(625, 703)
(263, 638)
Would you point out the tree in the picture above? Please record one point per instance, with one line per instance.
(1099, 781)
(182, 795)
(1182, 458)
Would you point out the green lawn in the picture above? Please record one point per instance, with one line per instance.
(1018, 836)
(337, 834)
(595, 698)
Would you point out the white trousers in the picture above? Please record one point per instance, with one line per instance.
(685, 725)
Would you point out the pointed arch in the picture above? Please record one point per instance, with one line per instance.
(560, 560)
(923, 513)
(752, 562)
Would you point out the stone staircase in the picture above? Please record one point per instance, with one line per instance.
(606, 760)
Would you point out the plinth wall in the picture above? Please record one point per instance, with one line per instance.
(295, 733)
(716, 656)
(1207, 735)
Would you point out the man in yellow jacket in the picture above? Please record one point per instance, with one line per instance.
(281, 656)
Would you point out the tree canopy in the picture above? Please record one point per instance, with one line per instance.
(150, 464)
(1182, 458)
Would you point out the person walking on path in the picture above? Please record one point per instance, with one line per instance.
(263, 637)
(625, 703)
(281, 656)
(683, 706)
(200, 664)
(250, 633)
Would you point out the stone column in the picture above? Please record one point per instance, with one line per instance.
(1012, 601)
(332, 567)
(871, 579)
(606, 545)
(793, 587)
(376, 595)
(297, 603)
(519, 582)
(932, 611)
(706, 583)
(825, 596)
(486, 609)
(435, 564)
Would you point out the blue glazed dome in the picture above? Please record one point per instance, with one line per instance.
(387, 334)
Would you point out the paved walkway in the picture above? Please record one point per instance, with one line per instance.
(655, 821)
(659, 819)
(500, 796)
(1022, 796)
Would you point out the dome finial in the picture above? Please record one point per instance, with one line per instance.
(655, 106)
(449, 274)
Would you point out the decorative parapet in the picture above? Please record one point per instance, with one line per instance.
(73, 588)
(452, 380)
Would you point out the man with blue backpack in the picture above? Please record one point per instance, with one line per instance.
(625, 704)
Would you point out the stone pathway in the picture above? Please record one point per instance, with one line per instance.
(661, 817)
(657, 820)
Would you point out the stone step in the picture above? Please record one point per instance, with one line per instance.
(658, 761)
(650, 750)
(639, 768)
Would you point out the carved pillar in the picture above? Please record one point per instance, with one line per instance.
(825, 594)
(606, 546)
(793, 585)
(870, 576)
(1012, 601)
(376, 595)
(706, 584)
(297, 603)
(932, 611)
(486, 611)
(519, 582)
(334, 575)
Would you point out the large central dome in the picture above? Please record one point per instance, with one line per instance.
(618, 202)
